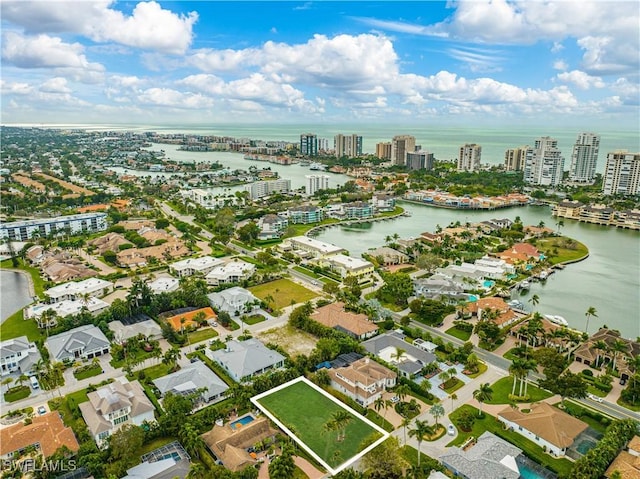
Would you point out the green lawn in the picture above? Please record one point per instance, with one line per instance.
(63, 406)
(155, 372)
(482, 368)
(502, 389)
(137, 356)
(307, 422)
(452, 386)
(254, 319)
(17, 393)
(458, 333)
(202, 334)
(548, 245)
(283, 292)
(491, 424)
(15, 326)
(88, 373)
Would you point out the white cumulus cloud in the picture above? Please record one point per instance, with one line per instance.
(582, 80)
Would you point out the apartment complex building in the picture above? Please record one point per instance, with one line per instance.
(420, 160)
(309, 144)
(316, 183)
(514, 158)
(383, 150)
(400, 145)
(622, 173)
(260, 189)
(347, 145)
(584, 158)
(544, 163)
(469, 157)
(72, 224)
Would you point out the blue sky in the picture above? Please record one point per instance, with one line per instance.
(475, 62)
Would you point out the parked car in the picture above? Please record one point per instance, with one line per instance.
(42, 410)
(623, 381)
(595, 398)
(451, 430)
(395, 399)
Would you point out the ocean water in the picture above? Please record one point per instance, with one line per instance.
(442, 141)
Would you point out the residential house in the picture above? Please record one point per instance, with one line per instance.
(364, 380)
(141, 257)
(230, 445)
(84, 342)
(305, 215)
(232, 272)
(46, 433)
(489, 457)
(109, 242)
(356, 325)
(392, 348)
(114, 405)
(243, 360)
(494, 309)
(18, 355)
(520, 253)
(347, 266)
(62, 309)
(164, 285)
(191, 266)
(92, 287)
(196, 379)
(189, 318)
(627, 463)
(234, 301)
(587, 353)
(313, 247)
(441, 287)
(272, 226)
(147, 328)
(65, 267)
(388, 256)
(547, 426)
(383, 202)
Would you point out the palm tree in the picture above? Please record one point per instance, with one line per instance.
(6, 382)
(482, 394)
(402, 391)
(454, 398)
(437, 411)
(405, 422)
(22, 378)
(420, 431)
(378, 404)
(591, 312)
(398, 354)
(516, 368)
(534, 300)
(341, 419)
(600, 346)
(618, 346)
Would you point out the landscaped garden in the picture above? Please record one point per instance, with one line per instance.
(458, 333)
(282, 292)
(16, 393)
(87, 371)
(502, 390)
(322, 424)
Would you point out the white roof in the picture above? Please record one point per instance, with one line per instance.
(66, 308)
(320, 246)
(163, 285)
(197, 264)
(231, 268)
(89, 285)
(349, 262)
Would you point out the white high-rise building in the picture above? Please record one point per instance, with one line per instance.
(469, 157)
(260, 189)
(584, 158)
(316, 183)
(622, 174)
(400, 145)
(544, 163)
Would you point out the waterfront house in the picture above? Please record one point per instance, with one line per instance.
(494, 309)
(234, 301)
(243, 360)
(520, 253)
(354, 324)
(441, 287)
(567, 209)
(364, 380)
(383, 202)
(92, 287)
(46, 434)
(549, 427)
(272, 226)
(114, 405)
(62, 309)
(388, 346)
(312, 247)
(18, 355)
(388, 256)
(84, 342)
(358, 210)
(232, 272)
(197, 380)
(488, 457)
(587, 353)
(191, 266)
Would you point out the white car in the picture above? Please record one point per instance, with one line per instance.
(594, 398)
(395, 399)
(451, 430)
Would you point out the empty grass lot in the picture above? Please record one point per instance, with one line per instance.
(283, 292)
(307, 422)
(502, 389)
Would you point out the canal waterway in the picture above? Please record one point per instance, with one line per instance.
(608, 279)
(14, 293)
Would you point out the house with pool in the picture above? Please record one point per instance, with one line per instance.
(243, 360)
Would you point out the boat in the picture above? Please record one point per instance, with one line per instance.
(543, 275)
(556, 319)
(524, 285)
(317, 167)
(514, 303)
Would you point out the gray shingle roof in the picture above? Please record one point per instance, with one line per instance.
(195, 376)
(86, 337)
(392, 339)
(245, 358)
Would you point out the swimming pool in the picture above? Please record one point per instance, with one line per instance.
(472, 298)
(243, 421)
(585, 446)
(488, 284)
(527, 473)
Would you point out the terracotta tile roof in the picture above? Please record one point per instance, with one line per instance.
(634, 444)
(547, 422)
(47, 430)
(334, 315)
(176, 323)
(494, 303)
(626, 464)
